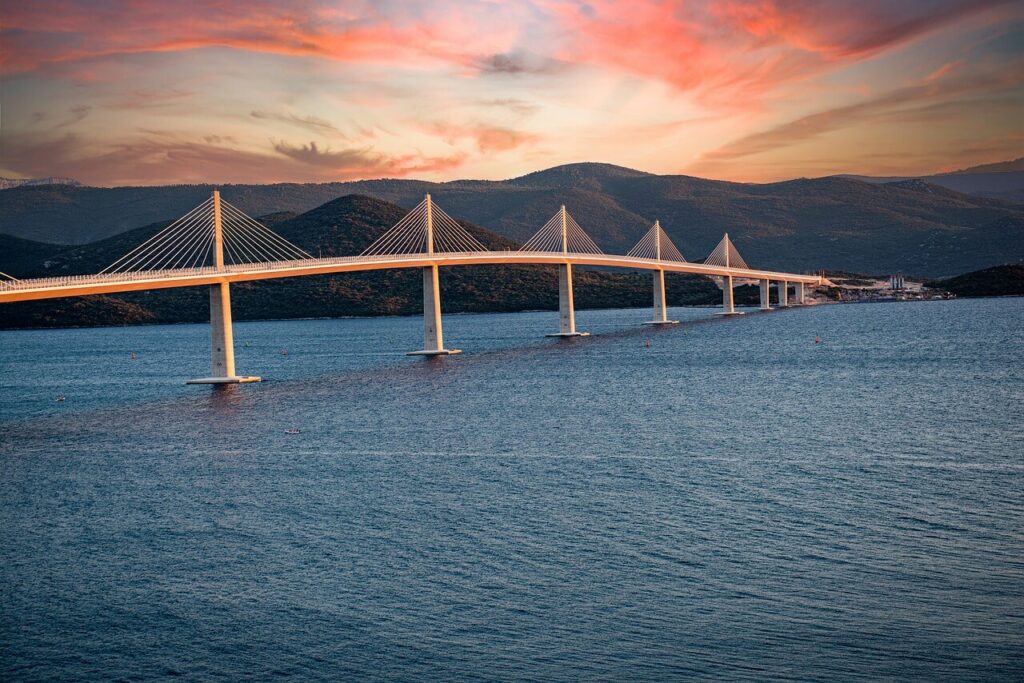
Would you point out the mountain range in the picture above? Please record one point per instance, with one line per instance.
(1003, 180)
(841, 223)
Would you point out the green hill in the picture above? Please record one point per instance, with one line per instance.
(1007, 280)
(341, 227)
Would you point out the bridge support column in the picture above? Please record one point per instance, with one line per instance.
(800, 291)
(660, 310)
(765, 289)
(566, 307)
(783, 294)
(433, 334)
(222, 342)
(728, 303)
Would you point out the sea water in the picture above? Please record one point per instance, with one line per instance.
(727, 498)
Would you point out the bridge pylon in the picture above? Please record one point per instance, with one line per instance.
(563, 235)
(657, 245)
(566, 306)
(765, 292)
(433, 333)
(725, 254)
(222, 341)
(800, 294)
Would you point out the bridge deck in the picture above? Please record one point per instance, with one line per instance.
(83, 285)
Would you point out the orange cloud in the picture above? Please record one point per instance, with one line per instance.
(488, 139)
(910, 104)
(39, 34)
(163, 158)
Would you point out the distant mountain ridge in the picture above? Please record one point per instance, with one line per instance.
(1002, 180)
(1010, 166)
(798, 225)
(8, 183)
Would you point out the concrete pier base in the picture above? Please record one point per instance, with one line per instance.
(438, 352)
(225, 380)
(765, 293)
(783, 294)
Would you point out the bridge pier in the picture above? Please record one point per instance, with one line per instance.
(433, 333)
(566, 307)
(800, 294)
(765, 289)
(222, 341)
(660, 309)
(728, 301)
(783, 287)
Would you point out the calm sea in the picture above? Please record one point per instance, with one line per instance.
(731, 501)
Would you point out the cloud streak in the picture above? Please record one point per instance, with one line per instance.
(41, 34)
(166, 158)
(913, 103)
(311, 123)
(488, 139)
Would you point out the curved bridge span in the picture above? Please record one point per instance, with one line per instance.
(84, 285)
(242, 250)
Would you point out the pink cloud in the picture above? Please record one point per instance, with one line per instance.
(728, 51)
(38, 34)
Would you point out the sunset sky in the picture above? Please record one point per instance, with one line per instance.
(116, 92)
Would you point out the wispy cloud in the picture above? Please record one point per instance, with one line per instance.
(912, 103)
(729, 49)
(312, 123)
(44, 33)
(518, 62)
(74, 115)
(152, 98)
(165, 157)
(348, 164)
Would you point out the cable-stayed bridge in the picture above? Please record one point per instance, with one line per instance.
(216, 244)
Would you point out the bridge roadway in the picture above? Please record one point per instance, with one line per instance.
(84, 285)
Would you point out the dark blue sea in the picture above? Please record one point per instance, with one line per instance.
(732, 501)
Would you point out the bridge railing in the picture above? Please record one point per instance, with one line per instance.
(136, 276)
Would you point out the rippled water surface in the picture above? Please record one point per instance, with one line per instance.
(732, 501)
